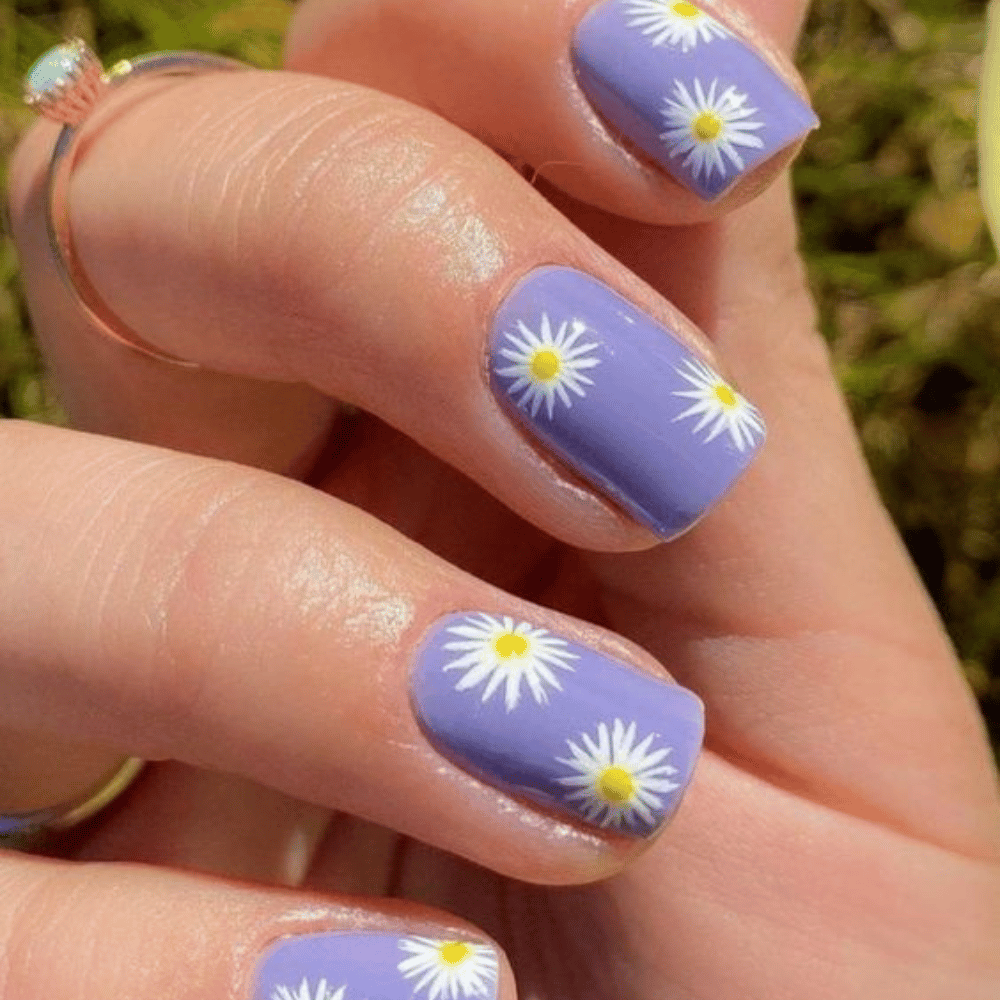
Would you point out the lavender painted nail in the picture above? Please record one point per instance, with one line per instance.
(687, 90)
(376, 967)
(555, 722)
(620, 399)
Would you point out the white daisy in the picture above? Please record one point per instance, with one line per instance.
(501, 651)
(718, 405)
(545, 365)
(704, 126)
(616, 779)
(447, 967)
(674, 23)
(323, 992)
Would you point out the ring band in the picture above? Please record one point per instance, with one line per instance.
(21, 830)
(65, 85)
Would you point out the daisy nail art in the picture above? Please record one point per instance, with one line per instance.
(674, 22)
(547, 366)
(624, 775)
(377, 967)
(654, 429)
(617, 780)
(491, 652)
(692, 93)
(718, 409)
(706, 128)
(306, 992)
(447, 969)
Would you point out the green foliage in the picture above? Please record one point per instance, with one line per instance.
(903, 269)
(246, 29)
(909, 288)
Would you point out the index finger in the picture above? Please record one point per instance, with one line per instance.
(443, 295)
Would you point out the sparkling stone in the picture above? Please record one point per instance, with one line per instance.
(54, 69)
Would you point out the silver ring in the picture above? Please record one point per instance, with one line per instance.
(65, 85)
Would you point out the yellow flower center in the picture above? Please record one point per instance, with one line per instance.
(685, 10)
(616, 785)
(454, 952)
(707, 126)
(545, 365)
(726, 396)
(509, 645)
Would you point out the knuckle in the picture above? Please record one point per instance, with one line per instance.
(202, 545)
(144, 627)
(342, 190)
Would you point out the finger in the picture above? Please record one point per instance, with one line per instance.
(97, 931)
(109, 388)
(241, 622)
(661, 111)
(794, 611)
(780, 886)
(386, 290)
(802, 567)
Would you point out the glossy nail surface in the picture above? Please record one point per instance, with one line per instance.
(686, 90)
(556, 722)
(619, 398)
(376, 967)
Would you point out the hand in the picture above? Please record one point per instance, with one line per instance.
(307, 240)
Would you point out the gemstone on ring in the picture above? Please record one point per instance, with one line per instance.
(65, 83)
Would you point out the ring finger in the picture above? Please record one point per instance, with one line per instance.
(240, 622)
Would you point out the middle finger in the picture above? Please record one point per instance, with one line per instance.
(295, 229)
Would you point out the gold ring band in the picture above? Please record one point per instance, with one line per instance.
(24, 830)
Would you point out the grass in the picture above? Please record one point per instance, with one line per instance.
(903, 268)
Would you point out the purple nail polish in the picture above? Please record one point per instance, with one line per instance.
(376, 967)
(556, 722)
(619, 398)
(687, 90)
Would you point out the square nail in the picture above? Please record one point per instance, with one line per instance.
(376, 967)
(687, 90)
(619, 398)
(555, 722)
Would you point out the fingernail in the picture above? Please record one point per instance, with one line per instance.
(687, 90)
(370, 966)
(620, 398)
(547, 719)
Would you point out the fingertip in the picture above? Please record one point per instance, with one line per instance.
(600, 99)
(703, 102)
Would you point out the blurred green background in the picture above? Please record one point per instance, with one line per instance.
(902, 265)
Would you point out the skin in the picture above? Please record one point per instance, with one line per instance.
(842, 836)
